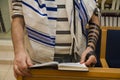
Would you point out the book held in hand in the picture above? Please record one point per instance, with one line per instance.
(62, 66)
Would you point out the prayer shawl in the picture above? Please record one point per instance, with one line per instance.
(40, 19)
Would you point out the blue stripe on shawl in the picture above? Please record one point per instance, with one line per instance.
(43, 42)
(52, 18)
(82, 15)
(44, 5)
(82, 12)
(49, 0)
(85, 11)
(31, 7)
(40, 37)
(82, 25)
(40, 5)
(51, 9)
(85, 18)
(50, 37)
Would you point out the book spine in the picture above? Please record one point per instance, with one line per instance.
(2, 27)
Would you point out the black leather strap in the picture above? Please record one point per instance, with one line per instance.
(96, 12)
(90, 54)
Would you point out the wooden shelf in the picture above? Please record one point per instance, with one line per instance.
(94, 74)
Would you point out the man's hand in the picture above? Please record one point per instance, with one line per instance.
(21, 63)
(91, 59)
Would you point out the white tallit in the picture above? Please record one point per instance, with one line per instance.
(80, 40)
(38, 51)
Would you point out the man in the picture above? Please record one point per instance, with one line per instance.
(47, 30)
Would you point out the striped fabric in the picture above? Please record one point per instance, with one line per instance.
(49, 24)
(17, 8)
(83, 12)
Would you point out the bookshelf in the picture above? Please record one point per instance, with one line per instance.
(5, 16)
(5, 7)
(110, 13)
(107, 1)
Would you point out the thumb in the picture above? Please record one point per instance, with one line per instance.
(82, 59)
(29, 62)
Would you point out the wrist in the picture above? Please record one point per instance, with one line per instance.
(90, 48)
(91, 53)
(19, 51)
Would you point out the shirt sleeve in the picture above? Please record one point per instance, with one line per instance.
(17, 8)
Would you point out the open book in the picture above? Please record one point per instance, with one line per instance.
(62, 66)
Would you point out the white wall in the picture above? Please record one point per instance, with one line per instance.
(6, 60)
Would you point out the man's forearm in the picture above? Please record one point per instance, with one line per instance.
(18, 34)
(93, 32)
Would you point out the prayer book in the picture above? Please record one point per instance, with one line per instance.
(62, 66)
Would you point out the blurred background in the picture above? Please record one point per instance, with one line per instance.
(110, 17)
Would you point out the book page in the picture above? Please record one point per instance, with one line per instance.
(61, 66)
(47, 64)
(72, 66)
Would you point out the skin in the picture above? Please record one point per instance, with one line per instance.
(92, 58)
(22, 61)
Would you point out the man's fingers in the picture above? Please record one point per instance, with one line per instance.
(24, 69)
(21, 71)
(82, 59)
(25, 72)
(91, 60)
(29, 62)
(21, 68)
(17, 72)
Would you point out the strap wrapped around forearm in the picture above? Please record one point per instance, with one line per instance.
(93, 35)
(90, 54)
